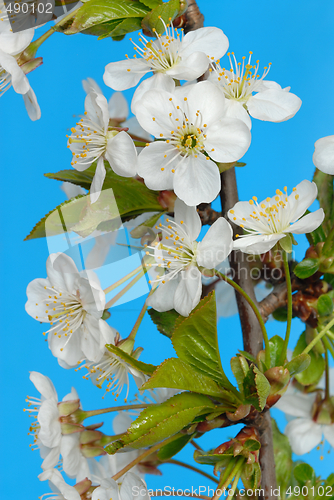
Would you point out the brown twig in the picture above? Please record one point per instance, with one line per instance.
(276, 299)
(207, 214)
(195, 18)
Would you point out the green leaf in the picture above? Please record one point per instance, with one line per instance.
(151, 4)
(306, 268)
(325, 196)
(281, 314)
(96, 12)
(165, 321)
(283, 456)
(102, 30)
(303, 473)
(275, 348)
(248, 356)
(329, 278)
(240, 369)
(195, 341)
(325, 305)
(139, 365)
(171, 449)
(159, 422)
(167, 12)
(298, 364)
(126, 26)
(174, 373)
(312, 374)
(256, 388)
(70, 211)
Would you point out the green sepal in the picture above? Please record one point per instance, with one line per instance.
(306, 268)
(139, 365)
(174, 373)
(287, 242)
(298, 364)
(313, 373)
(159, 422)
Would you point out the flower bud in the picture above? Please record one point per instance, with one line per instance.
(278, 377)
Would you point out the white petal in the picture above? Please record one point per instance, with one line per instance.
(122, 155)
(71, 190)
(189, 217)
(37, 295)
(209, 100)
(96, 106)
(159, 81)
(19, 80)
(273, 105)
(90, 84)
(216, 244)
(197, 180)
(51, 459)
(234, 109)
(306, 193)
(118, 106)
(227, 140)
(303, 434)
(163, 297)
(131, 482)
(150, 163)
(136, 129)
(108, 333)
(67, 350)
(308, 223)
(70, 451)
(98, 180)
(121, 422)
(323, 156)
(188, 292)
(190, 67)
(329, 433)
(31, 104)
(91, 339)
(211, 41)
(296, 405)
(48, 417)
(256, 244)
(44, 385)
(118, 77)
(90, 292)
(14, 43)
(62, 272)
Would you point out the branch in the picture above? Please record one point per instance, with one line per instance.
(194, 17)
(207, 214)
(277, 298)
(251, 332)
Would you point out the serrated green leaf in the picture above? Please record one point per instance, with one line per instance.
(248, 356)
(298, 364)
(139, 365)
(165, 321)
(167, 12)
(325, 196)
(306, 268)
(174, 373)
(195, 341)
(240, 369)
(102, 30)
(283, 456)
(303, 473)
(262, 387)
(151, 4)
(275, 348)
(126, 26)
(252, 445)
(312, 374)
(70, 211)
(171, 449)
(256, 388)
(97, 12)
(162, 421)
(325, 305)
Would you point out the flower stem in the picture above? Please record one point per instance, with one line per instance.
(140, 318)
(327, 393)
(146, 453)
(328, 344)
(125, 289)
(318, 337)
(225, 481)
(191, 467)
(255, 309)
(123, 280)
(328, 242)
(92, 413)
(289, 298)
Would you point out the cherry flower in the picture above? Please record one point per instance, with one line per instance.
(181, 257)
(191, 130)
(270, 103)
(47, 429)
(172, 54)
(274, 218)
(323, 156)
(132, 487)
(11, 74)
(93, 139)
(63, 491)
(73, 303)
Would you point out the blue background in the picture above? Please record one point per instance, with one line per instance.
(297, 37)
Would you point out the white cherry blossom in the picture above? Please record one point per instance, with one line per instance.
(132, 487)
(47, 430)
(73, 303)
(172, 54)
(323, 156)
(63, 491)
(192, 131)
(93, 139)
(270, 102)
(272, 219)
(179, 255)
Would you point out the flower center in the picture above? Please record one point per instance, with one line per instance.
(271, 216)
(175, 252)
(88, 141)
(163, 53)
(241, 80)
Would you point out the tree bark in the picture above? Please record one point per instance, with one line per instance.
(251, 332)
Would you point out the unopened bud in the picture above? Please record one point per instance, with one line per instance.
(278, 378)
